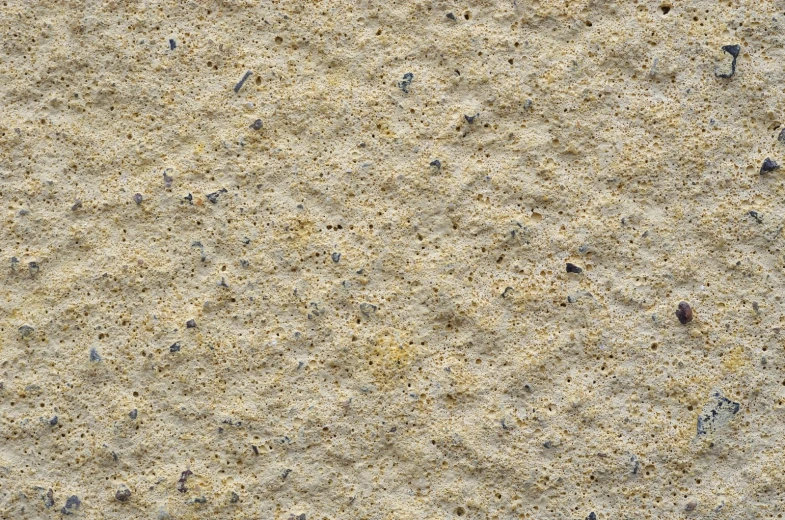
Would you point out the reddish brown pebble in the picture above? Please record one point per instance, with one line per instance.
(684, 313)
(690, 506)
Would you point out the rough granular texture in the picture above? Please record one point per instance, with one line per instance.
(367, 208)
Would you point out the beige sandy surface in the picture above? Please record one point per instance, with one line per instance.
(385, 327)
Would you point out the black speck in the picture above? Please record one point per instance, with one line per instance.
(213, 197)
(133, 413)
(285, 474)
(94, 356)
(33, 266)
(172, 44)
(768, 166)
(451, 16)
(591, 516)
(191, 324)
(547, 444)
(255, 449)
(507, 292)
(407, 81)
(175, 347)
(470, 119)
(756, 216)
(572, 268)
(71, 504)
(257, 125)
(77, 205)
(138, 198)
(235, 498)
(181, 483)
(53, 421)
(781, 136)
(200, 500)
(242, 81)
(189, 198)
(336, 257)
(436, 163)
(733, 50)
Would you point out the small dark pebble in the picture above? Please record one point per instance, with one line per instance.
(336, 257)
(77, 205)
(285, 474)
(213, 197)
(94, 356)
(256, 125)
(53, 421)
(768, 166)
(470, 119)
(591, 516)
(235, 498)
(407, 81)
(300, 517)
(123, 494)
(684, 313)
(33, 266)
(172, 44)
(690, 506)
(367, 309)
(572, 268)
(507, 292)
(50, 498)
(175, 347)
(255, 449)
(71, 504)
(200, 500)
(191, 324)
(26, 330)
(133, 413)
(436, 163)
(23, 212)
(189, 198)
(781, 136)
(138, 198)
(451, 16)
(14, 261)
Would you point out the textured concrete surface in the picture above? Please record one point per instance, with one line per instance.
(370, 234)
